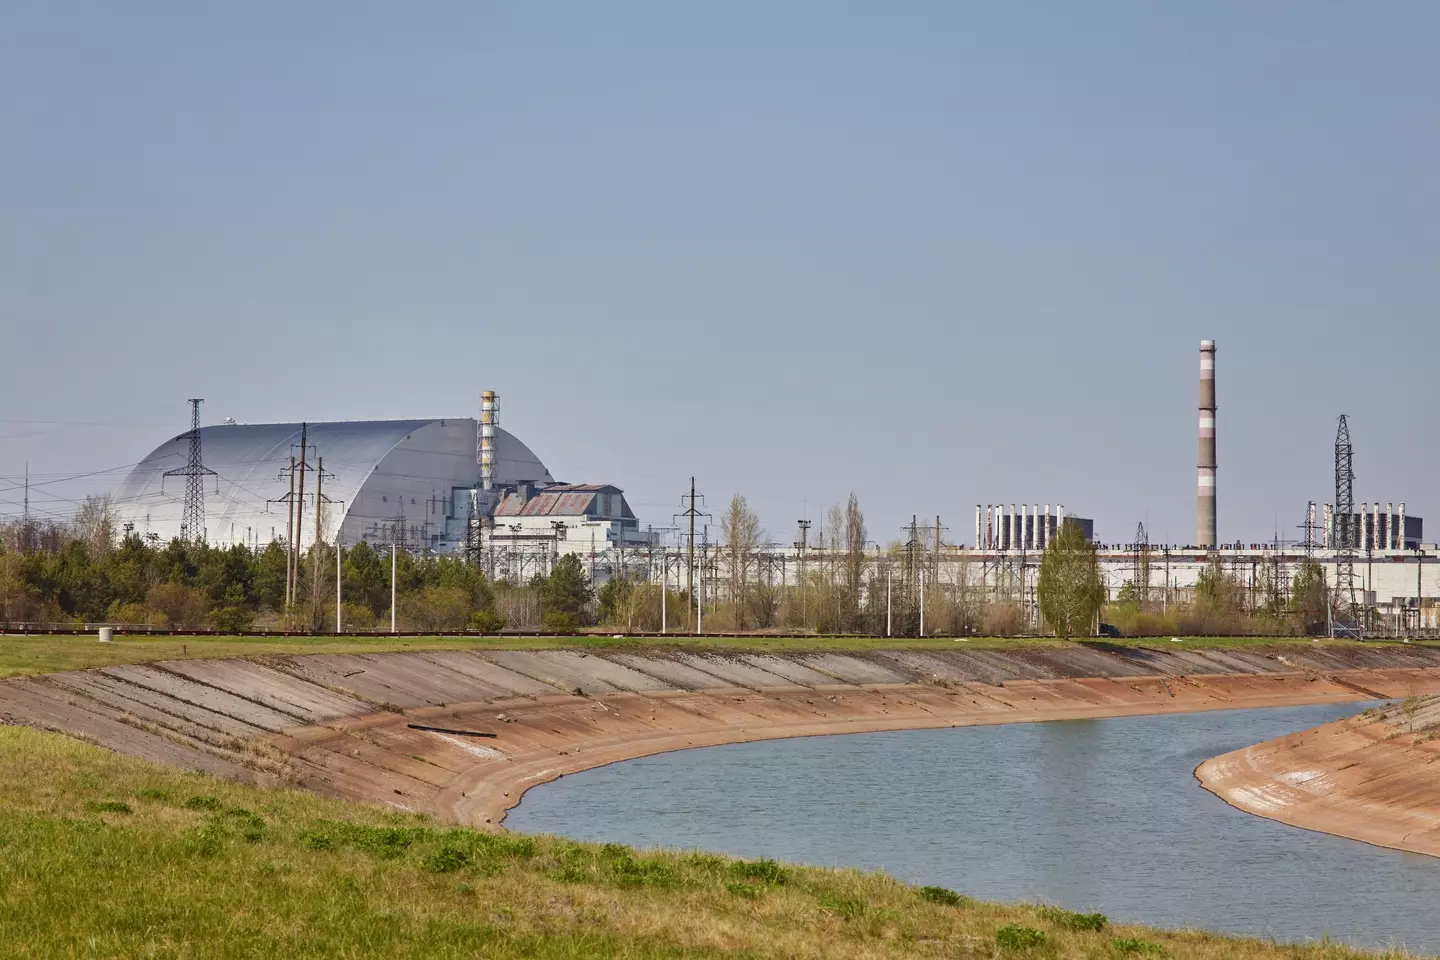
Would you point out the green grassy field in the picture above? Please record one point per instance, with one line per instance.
(28, 654)
(106, 856)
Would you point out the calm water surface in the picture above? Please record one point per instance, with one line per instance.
(1094, 815)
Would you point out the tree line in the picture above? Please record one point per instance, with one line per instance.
(86, 571)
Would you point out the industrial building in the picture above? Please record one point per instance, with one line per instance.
(437, 485)
(534, 525)
(1002, 529)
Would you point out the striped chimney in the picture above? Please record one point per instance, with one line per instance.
(1207, 537)
(489, 406)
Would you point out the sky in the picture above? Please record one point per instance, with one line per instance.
(937, 254)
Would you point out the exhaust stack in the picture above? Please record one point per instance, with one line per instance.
(488, 409)
(1207, 538)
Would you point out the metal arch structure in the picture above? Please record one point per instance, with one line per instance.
(1345, 618)
(373, 464)
(192, 518)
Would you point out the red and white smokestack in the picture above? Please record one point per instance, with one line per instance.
(1207, 537)
(489, 407)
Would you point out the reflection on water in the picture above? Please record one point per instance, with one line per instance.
(1094, 815)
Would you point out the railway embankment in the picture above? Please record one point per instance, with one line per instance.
(462, 734)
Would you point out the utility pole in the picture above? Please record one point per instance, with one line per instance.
(888, 576)
(320, 500)
(192, 522)
(339, 580)
(300, 512)
(935, 577)
(289, 501)
(690, 512)
(922, 603)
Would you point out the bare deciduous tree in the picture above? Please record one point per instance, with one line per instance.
(741, 528)
(94, 525)
(854, 572)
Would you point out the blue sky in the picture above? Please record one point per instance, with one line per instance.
(934, 253)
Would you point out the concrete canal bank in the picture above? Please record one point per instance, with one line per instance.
(1371, 777)
(462, 735)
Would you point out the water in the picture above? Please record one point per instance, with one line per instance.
(1093, 815)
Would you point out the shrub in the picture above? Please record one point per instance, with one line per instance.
(445, 860)
(182, 606)
(488, 621)
(1134, 945)
(848, 909)
(1073, 921)
(571, 873)
(1004, 619)
(206, 841)
(941, 895)
(628, 871)
(1014, 937)
(559, 621)
(766, 871)
(317, 840)
(232, 619)
(202, 803)
(436, 608)
(107, 806)
(358, 616)
(131, 614)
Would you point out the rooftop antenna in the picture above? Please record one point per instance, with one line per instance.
(192, 522)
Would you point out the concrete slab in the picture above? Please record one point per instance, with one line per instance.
(270, 687)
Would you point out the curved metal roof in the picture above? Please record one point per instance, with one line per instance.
(246, 498)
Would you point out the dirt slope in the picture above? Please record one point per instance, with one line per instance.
(348, 725)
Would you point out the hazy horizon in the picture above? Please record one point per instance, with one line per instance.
(932, 254)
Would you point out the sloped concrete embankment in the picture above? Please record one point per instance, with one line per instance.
(351, 725)
(1371, 777)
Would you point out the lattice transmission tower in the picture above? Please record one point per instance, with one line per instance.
(1140, 564)
(192, 520)
(1347, 541)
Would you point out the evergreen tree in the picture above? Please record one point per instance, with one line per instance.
(565, 594)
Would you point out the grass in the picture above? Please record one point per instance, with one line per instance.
(107, 856)
(29, 654)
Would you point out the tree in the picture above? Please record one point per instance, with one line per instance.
(367, 578)
(1216, 590)
(1069, 588)
(94, 525)
(270, 568)
(854, 570)
(1309, 595)
(565, 593)
(741, 528)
